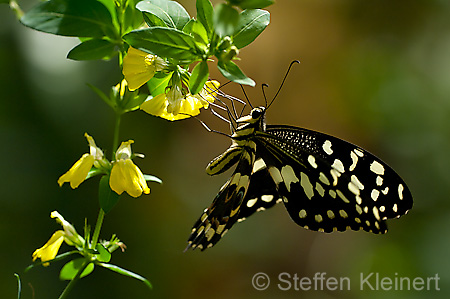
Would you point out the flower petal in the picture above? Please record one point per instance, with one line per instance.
(187, 107)
(50, 249)
(139, 67)
(93, 148)
(124, 150)
(78, 172)
(126, 176)
(70, 234)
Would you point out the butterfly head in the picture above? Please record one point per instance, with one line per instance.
(256, 117)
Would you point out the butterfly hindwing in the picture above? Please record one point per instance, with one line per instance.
(223, 213)
(262, 192)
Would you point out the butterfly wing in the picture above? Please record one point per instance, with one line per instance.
(328, 184)
(223, 213)
(262, 192)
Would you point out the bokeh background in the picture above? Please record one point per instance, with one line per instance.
(376, 73)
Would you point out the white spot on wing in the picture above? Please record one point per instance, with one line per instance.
(330, 214)
(288, 175)
(375, 213)
(358, 152)
(251, 202)
(302, 214)
(400, 191)
(324, 179)
(355, 181)
(335, 174)
(258, 165)
(343, 214)
(332, 193)
(320, 189)
(354, 161)
(342, 196)
(353, 188)
(327, 147)
(337, 164)
(312, 161)
(267, 198)
(377, 168)
(374, 195)
(276, 175)
(379, 181)
(358, 209)
(306, 184)
(318, 218)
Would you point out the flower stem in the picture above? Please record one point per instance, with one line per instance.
(98, 226)
(116, 135)
(101, 213)
(69, 287)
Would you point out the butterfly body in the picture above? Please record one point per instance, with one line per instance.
(325, 183)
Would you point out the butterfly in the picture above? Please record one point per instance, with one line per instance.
(326, 184)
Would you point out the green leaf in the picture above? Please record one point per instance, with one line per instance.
(70, 270)
(164, 42)
(225, 19)
(170, 12)
(251, 23)
(111, 104)
(126, 273)
(232, 72)
(82, 18)
(107, 198)
(104, 255)
(198, 78)
(157, 85)
(132, 18)
(246, 4)
(110, 5)
(205, 13)
(152, 178)
(5, 1)
(93, 49)
(196, 29)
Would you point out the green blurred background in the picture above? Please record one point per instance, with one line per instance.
(376, 73)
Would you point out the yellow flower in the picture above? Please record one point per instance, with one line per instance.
(173, 106)
(51, 248)
(139, 67)
(125, 175)
(78, 172)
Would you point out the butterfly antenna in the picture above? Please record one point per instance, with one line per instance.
(282, 83)
(263, 89)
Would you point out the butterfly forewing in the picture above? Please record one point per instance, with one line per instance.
(328, 184)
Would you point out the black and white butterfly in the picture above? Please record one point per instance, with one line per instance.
(325, 183)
